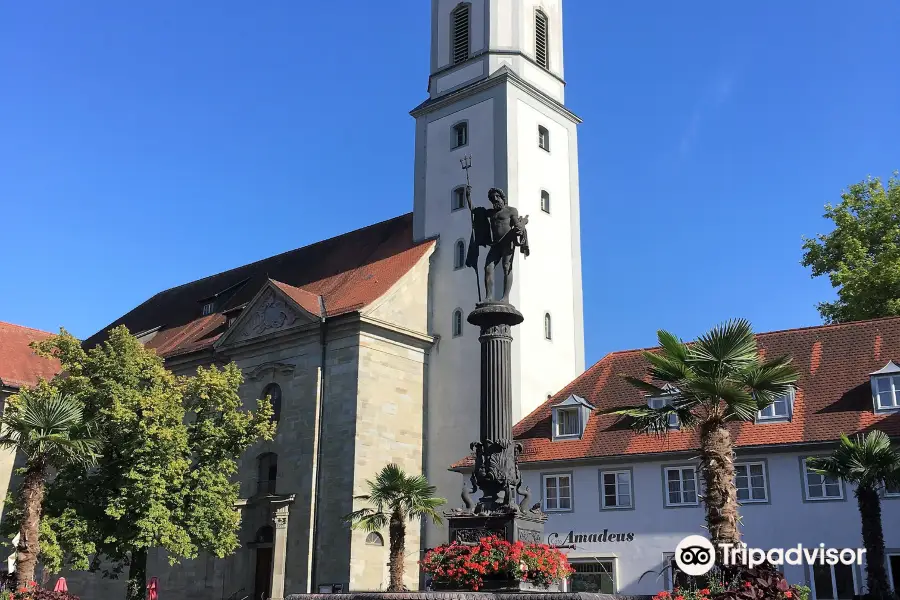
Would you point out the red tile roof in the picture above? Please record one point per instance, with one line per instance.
(833, 396)
(346, 272)
(19, 365)
(310, 302)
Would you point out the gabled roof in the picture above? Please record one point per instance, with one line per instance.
(888, 369)
(19, 365)
(833, 396)
(332, 277)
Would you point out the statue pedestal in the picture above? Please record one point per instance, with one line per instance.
(469, 529)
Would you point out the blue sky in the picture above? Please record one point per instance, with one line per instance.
(144, 145)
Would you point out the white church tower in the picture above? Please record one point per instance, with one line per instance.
(496, 92)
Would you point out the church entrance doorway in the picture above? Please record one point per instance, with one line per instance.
(262, 580)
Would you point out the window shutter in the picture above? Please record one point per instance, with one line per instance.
(460, 35)
(541, 48)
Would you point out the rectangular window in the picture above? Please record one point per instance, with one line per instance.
(460, 134)
(616, 492)
(779, 410)
(681, 486)
(676, 578)
(893, 564)
(750, 480)
(567, 422)
(543, 138)
(595, 576)
(887, 392)
(558, 492)
(660, 402)
(822, 487)
(459, 199)
(833, 582)
(208, 308)
(545, 201)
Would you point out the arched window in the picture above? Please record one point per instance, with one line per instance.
(374, 539)
(267, 473)
(460, 134)
(457, 323)
(548, 327)
(459, 254)
(545, 201)
(458, 198)
(459, 33)
(542, 38)
(264, 535)
(273, 393)
(543, 138)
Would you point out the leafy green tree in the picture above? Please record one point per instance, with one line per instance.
(51, 433)
(170, 448)
(861, 256)
(396, 498)
(870, 463)
(717, 379)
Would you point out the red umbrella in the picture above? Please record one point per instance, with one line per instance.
(153, 589)
(61, 585)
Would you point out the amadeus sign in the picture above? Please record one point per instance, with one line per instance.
(556, 539)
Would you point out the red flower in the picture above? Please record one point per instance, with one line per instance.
(705, 591)
(747, 584)
(788, 594)
(679, 597)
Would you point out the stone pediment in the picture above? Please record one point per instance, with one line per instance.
(271, 311)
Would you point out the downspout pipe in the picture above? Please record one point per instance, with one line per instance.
(317, 456)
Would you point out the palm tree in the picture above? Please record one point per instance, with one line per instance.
(706, 384)
(870, 463)
(396, 498)
(51, 432)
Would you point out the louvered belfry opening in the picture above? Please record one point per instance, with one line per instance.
(541, 42)
(460, 34)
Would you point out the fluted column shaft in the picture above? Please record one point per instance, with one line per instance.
(496, 383)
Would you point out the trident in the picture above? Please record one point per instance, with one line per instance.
(466, 163)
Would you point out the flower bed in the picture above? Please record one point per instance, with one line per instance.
(762, 583)
(33, 592)
(493, 560)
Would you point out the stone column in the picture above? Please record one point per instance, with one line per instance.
(499, 511)
(282, 508)
(496, 321)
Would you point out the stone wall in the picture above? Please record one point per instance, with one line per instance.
(389, 429)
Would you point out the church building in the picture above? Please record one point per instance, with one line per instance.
(361, 340)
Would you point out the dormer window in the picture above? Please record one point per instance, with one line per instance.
(781, 409)
(567, 422)
(570, 418)
(208, 308)
(659, 402)
(886, 387)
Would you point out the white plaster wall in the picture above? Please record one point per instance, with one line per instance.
(784, 521)
(452, 411)
(545, 281)
(503, 145)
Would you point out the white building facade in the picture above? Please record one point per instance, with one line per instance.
(619, 502)
(496, 94)
(623, 518)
